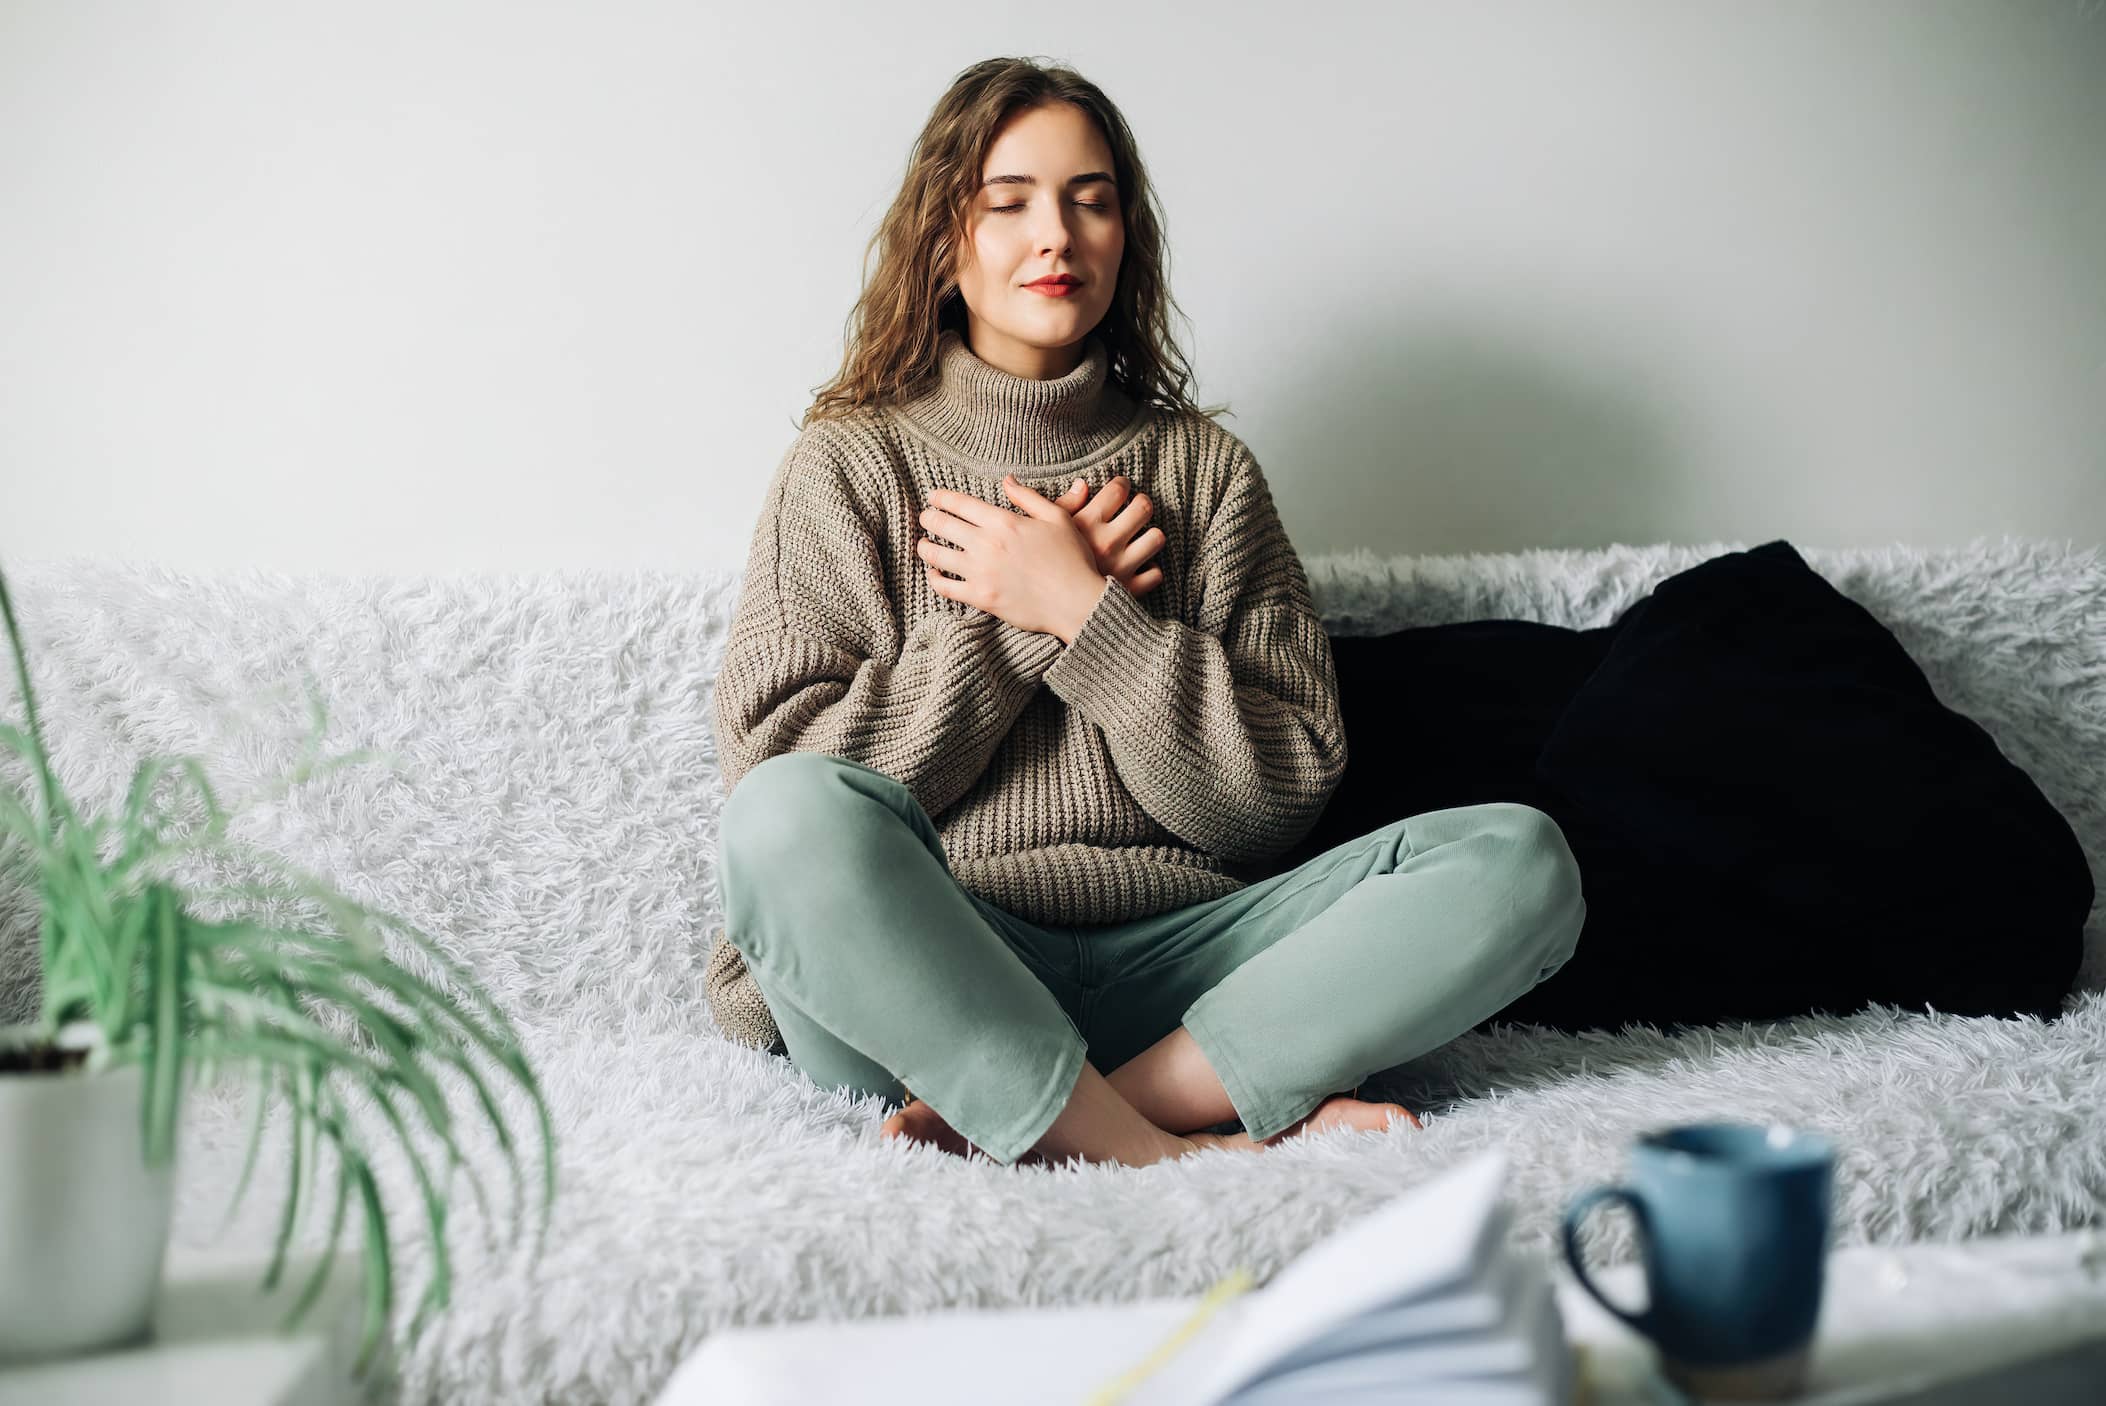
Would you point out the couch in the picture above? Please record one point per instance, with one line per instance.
(553, 823)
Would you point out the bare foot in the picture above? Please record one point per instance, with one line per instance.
(921, 1123)
(1346, 1111)
(918, 1121)
(1337, 1111)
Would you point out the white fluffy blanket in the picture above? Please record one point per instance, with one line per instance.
(555, 825)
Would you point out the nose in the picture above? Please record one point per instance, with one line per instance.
(1057, 238)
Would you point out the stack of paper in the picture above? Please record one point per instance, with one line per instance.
(1417, 1301)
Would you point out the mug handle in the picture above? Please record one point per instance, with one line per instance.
(1577, 1212)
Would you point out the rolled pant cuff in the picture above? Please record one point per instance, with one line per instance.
(1060, 1087)
(1260, 1121)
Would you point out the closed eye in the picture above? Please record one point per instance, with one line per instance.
(1085, 204)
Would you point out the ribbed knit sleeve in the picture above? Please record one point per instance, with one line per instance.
(1230, 734)
(816, 659)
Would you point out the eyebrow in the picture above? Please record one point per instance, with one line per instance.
(1082, 180)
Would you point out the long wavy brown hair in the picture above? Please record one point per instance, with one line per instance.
(892, 332)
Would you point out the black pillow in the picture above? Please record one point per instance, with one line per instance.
(1772, 812)
(1446, 715)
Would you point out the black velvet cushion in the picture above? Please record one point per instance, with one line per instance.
(1772, 812)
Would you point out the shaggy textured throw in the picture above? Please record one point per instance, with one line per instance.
(553, 823)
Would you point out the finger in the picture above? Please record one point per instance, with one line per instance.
(1146, 581)
(1077, 494)
(1130, 556)
(1108, 499)
(1133, 515)
(947, 526)
(945, 587)
(964, 505)
(1138, 551)
(949, 558)
(1030, 499)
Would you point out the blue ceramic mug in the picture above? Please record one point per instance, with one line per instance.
(1733, 1228)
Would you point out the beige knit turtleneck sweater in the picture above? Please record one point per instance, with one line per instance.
(1184, 737)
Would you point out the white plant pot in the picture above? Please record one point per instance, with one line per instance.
(83, 1221)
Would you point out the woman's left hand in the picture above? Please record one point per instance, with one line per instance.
(1034, 569)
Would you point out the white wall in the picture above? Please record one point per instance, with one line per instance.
(457, 286)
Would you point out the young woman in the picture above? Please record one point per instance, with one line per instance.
(1024, 688)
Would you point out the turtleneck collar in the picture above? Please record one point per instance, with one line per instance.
(991, 422)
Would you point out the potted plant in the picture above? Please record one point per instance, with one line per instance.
(140, 993)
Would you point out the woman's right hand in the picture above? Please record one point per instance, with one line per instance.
(1112, 523)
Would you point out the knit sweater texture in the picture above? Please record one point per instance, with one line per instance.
(1184, 737)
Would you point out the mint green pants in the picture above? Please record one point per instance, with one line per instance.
(882, 971)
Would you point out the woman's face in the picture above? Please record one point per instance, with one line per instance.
(1047, 204)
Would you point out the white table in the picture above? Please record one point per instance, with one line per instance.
(215, 1339)
(1972, 1323)
(2017, 1319)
